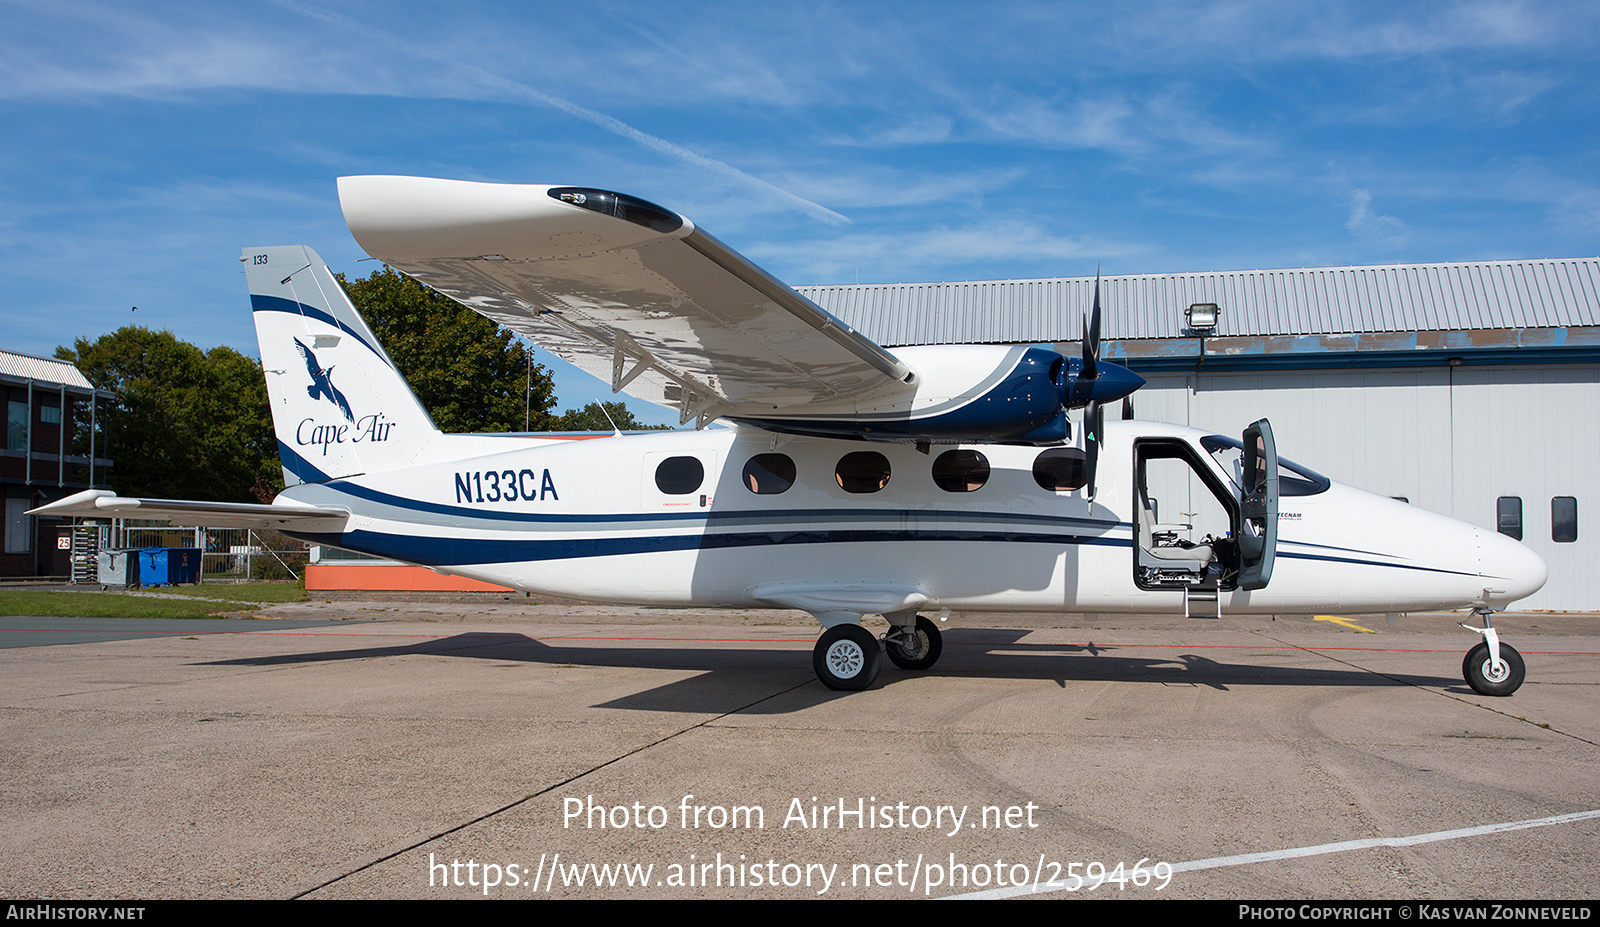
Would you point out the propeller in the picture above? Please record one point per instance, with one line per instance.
(1083, 385)
(1097, 383)
(1091, 338)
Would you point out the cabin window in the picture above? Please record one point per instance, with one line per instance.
(961, 471)
(1293, 479)
(1508, 516)
(1060, 469)
(1564, 519)
(769, 474)
(680, 476)
(862, 471)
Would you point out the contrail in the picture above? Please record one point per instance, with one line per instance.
(609, 123)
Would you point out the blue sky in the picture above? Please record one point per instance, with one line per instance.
(146, 144)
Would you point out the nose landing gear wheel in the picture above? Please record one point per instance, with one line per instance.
(1481, 675)
(846, 658)
(917, 650)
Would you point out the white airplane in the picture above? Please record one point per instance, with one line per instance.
(853, 481)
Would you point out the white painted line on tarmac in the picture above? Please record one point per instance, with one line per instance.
(1246, 859)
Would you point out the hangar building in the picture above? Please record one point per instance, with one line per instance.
(1472, 389)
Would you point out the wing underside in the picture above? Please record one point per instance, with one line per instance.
(646, 301)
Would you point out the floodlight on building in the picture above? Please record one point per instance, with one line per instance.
(1203, 317)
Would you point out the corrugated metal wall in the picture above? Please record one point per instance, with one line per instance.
(1304, 301)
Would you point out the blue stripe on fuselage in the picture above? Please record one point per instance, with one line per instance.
(446, 552)
(434, 551)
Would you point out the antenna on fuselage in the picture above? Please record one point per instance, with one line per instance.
(615, 431)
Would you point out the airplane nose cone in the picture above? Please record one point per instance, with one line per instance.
(1509, 570)
(1114, 382)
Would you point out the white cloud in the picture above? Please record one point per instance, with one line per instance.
(1385, 231)
(891, 255)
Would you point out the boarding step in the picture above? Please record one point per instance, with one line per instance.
(1201, 594)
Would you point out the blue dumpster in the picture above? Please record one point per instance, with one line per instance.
(167, 566)
(152, 568)
(183, 565)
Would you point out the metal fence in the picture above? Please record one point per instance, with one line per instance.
(227, 554)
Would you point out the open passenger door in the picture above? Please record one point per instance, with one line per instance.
(1258, 507)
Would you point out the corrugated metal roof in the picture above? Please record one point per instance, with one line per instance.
(47, 370)
(1304, 301)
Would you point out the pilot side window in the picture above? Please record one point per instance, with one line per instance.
(862, 471)
(680, 476)
(961, 471)
(1061, 469)
(769, 474)
(1508, 516)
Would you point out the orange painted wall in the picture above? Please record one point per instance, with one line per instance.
(385, 577)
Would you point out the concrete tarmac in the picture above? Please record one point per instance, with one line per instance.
(386, 750)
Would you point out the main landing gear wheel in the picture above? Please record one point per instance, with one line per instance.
(846, 658)
(917, 650)
(1481, 675)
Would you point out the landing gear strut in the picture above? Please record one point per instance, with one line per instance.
(847, 657)
(1491, 668)
(915, 646)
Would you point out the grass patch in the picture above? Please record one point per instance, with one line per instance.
(49, 604)
(243, 592)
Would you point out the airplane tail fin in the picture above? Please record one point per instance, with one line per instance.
(339, 404)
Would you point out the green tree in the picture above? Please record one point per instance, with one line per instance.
(186, 423)
(592, 418)
(469, 373)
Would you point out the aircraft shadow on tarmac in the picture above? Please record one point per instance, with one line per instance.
(729, 678)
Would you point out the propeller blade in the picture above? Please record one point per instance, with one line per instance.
(1091, 337)
(1127, 408)
(1093, 426)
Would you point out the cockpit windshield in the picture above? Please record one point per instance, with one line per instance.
(1293, 479)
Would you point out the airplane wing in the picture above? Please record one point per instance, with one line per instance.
(625, 290)
(101, 503)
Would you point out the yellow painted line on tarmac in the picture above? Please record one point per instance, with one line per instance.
(1343, 622)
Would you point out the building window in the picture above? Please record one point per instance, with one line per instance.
(16, 426)
(862, 471)
(50, 415)
(1564, 519)
(1508, 516)
(680, 476)
(19, 527)
(961, 471)
(769, 474)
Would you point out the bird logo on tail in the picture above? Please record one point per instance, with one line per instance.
(321, 382)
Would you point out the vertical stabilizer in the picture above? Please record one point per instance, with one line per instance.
(339, 404)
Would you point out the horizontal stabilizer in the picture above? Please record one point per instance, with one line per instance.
(101, 503)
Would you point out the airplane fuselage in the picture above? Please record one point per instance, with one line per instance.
(694, 519)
